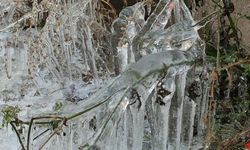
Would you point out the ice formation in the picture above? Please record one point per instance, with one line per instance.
(152, 104)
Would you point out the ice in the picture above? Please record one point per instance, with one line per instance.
(148, 105)
(119, 122)
(182, 34)
(124, 29)
(164, 16)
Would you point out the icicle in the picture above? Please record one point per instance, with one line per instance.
(83, 49)
(91, 48)
(8, 61)
(162, 19)
(124, 29)
(133, 111)
(180, 36)
(186, 13)
(68, 60)
(123, 56)
(189, 107)
(177, 12)
(176, 113)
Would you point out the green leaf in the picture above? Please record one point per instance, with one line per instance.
(246, 69)
(246, 16)
(10, 113)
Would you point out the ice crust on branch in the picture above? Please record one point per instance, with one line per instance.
(149, 105)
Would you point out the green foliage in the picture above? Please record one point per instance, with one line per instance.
(246, 69)
(224, 50)
(244, 16)
(55, 124)
(242, 110)
(229, 58)
(9, 114)
(230, 122)
(58, 106)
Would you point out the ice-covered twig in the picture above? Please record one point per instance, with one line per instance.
(150, 65)
(16, 22)
(39, 118)
(150, 22)
(18, 135)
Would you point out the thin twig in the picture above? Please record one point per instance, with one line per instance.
(38, 118)
(16, 22)
(18, 135)
(212, 106)
(149, 23)
(56, 131)
(110, 116)
(41, 134)
(234, 64)
(47, 140)
(206, 18)
(113, 10)
(218, 44)
(229, 142)
(29, 131)
(86, 110)
(217, 4)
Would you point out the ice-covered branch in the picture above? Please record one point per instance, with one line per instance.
(151, 104)
(117, 99)
(150, 22)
